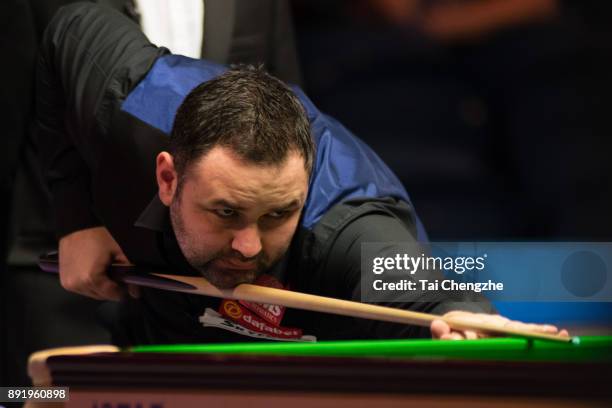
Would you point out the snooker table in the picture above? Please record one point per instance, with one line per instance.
(499, 372)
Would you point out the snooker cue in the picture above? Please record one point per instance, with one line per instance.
(315, 303)
(262, 294)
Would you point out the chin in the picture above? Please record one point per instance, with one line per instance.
(228, 279)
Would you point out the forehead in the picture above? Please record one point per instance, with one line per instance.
(222, 175)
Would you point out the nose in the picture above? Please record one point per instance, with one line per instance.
(247, 241)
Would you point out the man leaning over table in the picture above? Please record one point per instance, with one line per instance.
(182, 164)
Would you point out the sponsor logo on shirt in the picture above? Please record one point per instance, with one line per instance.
(211, 318)
(254, 319)
(243, 316)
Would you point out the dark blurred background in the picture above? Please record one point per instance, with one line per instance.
(494, 114)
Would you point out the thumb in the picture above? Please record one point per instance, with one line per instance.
(439, 328)
(119, 257)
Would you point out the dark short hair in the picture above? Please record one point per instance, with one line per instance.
(246, 110)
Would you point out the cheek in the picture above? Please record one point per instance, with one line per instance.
(204, 232)
(279, 239)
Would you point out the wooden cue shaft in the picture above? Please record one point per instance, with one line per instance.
(297, 300)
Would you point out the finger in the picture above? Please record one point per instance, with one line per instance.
(134, 291)
(104, 288)
(109, 290)
(467, 318)
(456, 336)
(120, 258)
(514, 325)
(549, 328)
(452, 336)
(493, 319)
(88, 293)
(532, 327)
(470, 334)
(439, 328)
(78, 286)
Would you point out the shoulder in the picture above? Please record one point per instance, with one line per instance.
(159, 94)
(327, 258)
(345, 225)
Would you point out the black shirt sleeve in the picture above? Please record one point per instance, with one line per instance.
(66, 172)
(90, 58)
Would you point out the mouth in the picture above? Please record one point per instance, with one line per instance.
(236, 266)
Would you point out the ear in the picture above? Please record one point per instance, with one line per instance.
(167, 178)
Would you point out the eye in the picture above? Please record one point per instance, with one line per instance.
(225, 212)
(277, 214)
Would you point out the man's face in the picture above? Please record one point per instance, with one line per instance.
(234, 219)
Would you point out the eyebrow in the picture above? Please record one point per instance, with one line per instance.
(289, 206)
(283, 207)
(224, 203)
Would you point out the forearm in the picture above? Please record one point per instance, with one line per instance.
(342, 275)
